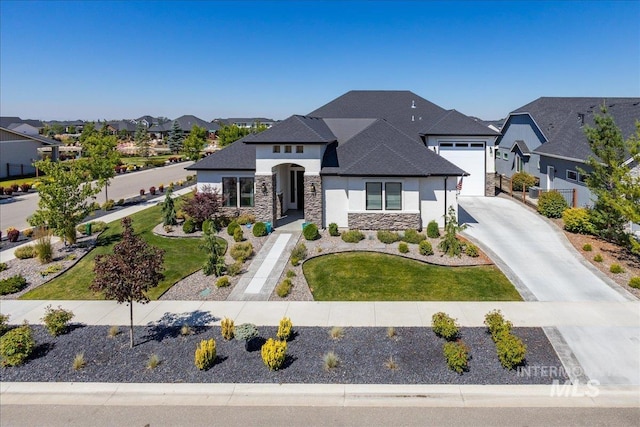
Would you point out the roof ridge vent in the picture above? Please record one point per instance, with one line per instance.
(413, 104)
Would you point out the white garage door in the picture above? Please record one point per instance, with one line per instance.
(468, 156)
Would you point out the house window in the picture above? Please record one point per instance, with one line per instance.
(505, 156)
(583, 178)
(498, 154)
(374, 196)
(287, 149)
(230, 191)
(572, 175)
(299, 149)
(519, 164)
(246, 192)
(393, 196)
(276, 148)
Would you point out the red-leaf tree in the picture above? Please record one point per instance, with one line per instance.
(204, 204)
(128, 273)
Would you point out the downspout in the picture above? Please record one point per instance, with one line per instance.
(445, 200)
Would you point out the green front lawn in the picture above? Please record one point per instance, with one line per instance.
(367, 276)
(181, 258)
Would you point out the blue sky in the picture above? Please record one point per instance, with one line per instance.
(97, 60)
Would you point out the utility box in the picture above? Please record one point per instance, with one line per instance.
(534, 192)
(87, 229)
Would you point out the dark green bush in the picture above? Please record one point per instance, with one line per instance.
(496, 324)
(444, 326)
(232, 227)
(56, 320)
(284, 288)
(522, 179)
(207, 226)
(310, 232)
(259, 229)
(412, 236)
(577, 220)
(12, 285)
(234, 269)
(472, 250)
(635, 282)
(388, 237)
(16, 346)
(403, 248)
(4, 323)
(425, 248)
(246, 219)
(352, 236)
(433, 231)
(511, 350)
(3, 266)
(457, 356)
(189, 226)
(333, 229)
(552, 204)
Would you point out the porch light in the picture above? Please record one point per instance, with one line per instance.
(313, 188)
(264, 188)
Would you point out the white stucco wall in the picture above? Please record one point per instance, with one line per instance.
(17, 153)
(214, 178)
(432, 199)
(433, 143)
(310, 159)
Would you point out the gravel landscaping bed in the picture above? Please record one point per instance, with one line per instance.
(363, 353)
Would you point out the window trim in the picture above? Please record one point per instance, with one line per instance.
(287, 149)
(276, 149)
(238, 190)
(575, 173)
(386, 199)
(366, 196)
(384, 202)
(299, 149)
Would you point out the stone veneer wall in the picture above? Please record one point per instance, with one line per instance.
(384, 221)
(265, 203)
(490, 185)
(313, 201)
(235, 212)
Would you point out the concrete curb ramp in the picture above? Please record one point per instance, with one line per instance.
(365, 395)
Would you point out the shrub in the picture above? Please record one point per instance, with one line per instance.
(4, 323)
(205, 356)
(189, 226)
(246, 219)
(391, 332)
(336, 333)
(259, 229)
(12, 284)
(433, 231)
(511, 350)
(299, 251)
(207, 226)
(457, 356)
(108, 205)
(28, 232)
(333, 229)
(450, 244)
(634, 283)
(387, 237)
(232, 227)
(152, 191)
(310, 232)
(241, 251)
(52, 269)
(472, 250)
(587, 247)
(577, 220)
(522, 180)
(56, 320)
(3, 266)
(403, 248)
(153, 361)
(295, 261)
(12, 234)
(120, 202)
(114, 331)
(222, 282)
(234, 269)
(598, 258)
(43, 247)
(245, 331)
(273, 353)
(284, 288)
(25, 187)
(391, 363)
(616, 269)
(226, 328)
(444, 326)
(425, 248)
(96, 227)
(412, 236)
(78, 362)
(290, 274)
(142, 191)
(352, 236)
(186, 330)
(25, 252)
(330, 360)
(496, 324)
(551, 204)
(238, 235)
(16, 345)
(161, 188)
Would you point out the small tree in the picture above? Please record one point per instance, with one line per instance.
(175, 138)
(204, 204)
(228, 134)
(194, 143)
(142, 140)
(100, 157)
(168, 210)
(128, 273)
(450, 243)
(214, 264)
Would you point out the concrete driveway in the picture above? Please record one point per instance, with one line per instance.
(535, 254)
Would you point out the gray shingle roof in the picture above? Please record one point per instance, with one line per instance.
(185, 122)
(7, 120)
(561, 121)
(522, 146)
(237, 156)
(383, 150)
(296, 129)
(453, 122)
(39, 138)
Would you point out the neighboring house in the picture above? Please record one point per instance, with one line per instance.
(368, 159)
(117, 127)
(186, 123)
(245, 122)
(19, 151)
(28, 127)
(546, 138)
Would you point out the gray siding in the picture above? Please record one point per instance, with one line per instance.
(585, 198)
(519, 127)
